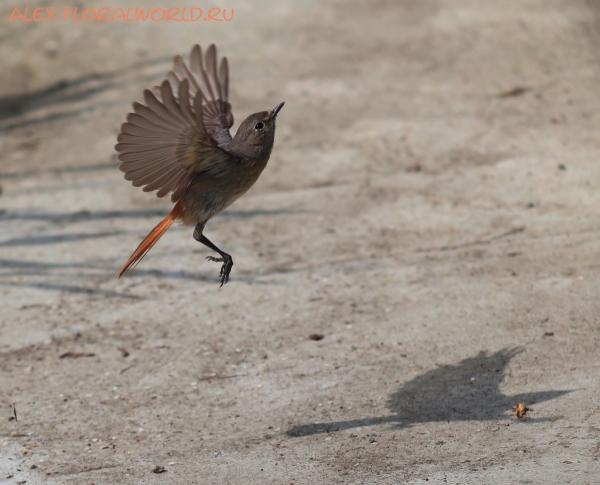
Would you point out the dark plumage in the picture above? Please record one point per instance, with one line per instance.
(179, 143)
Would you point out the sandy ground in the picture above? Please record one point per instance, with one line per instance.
(431, 208)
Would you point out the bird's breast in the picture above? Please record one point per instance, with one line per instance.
(208, 194)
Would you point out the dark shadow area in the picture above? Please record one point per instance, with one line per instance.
(84, 215)
(204, 274)
(76, 277)
(73, 289)
(47, 118)
(19, 111)
(11, 268)
(591, 27)
(57, 171)
(39, 267)
(134, 214)
(54, 239)
(65, 91)
(447, 394)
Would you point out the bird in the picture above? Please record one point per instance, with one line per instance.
(178, 143)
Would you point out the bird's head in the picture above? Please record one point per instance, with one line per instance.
(255, 136)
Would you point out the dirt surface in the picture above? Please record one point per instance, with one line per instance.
(431, 208)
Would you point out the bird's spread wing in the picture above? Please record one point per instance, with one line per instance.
(213, 86)
(166, 141)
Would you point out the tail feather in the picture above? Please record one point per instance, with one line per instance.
(151, 239)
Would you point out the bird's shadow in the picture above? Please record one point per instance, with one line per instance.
(467, 391)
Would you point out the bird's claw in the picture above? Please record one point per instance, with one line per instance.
(225, 269)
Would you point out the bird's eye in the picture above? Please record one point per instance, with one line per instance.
(259, 126)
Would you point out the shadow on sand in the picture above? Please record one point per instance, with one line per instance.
(447, 394)
(64, 92)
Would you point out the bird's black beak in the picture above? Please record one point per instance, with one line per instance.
(276, 110)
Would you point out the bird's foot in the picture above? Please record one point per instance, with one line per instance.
(225, 269)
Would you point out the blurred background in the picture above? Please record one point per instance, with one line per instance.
(429, 215)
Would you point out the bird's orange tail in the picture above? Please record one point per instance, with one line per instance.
(151, 239)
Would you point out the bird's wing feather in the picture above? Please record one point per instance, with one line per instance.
(213, 87)
(165, 142)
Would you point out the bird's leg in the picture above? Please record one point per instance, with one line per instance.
(225, 258)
